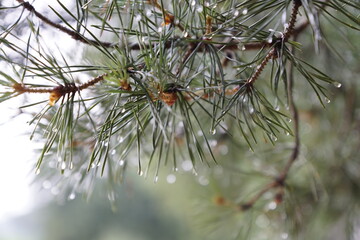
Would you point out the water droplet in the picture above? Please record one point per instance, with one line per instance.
(200, 133)
(138, 18)
(337, 84)
(236, 13)
(72, 196)
(71, 166)
(113, 152)
(284, 235)
(187, 165)
(327, 100)
(176, 169)
(63, 166)
(200, 8)
(186, 34)
(243, 48)
(224, 149)
(207, 4)
(148, 13)
(123, 110)
(273, 137)
(215, 6)
(111, 196)
(121, 162)
(213, 131)
(156, 179)
(245, 11)
(159, 29)
(251, 110)
(121, 139)
(193, 2)
(46, 184)
(140, 173)
(37, 171)
(272, 205)
(93, 165)
(289, 120)
(270, 40)
(55, 190)
(277, 108)
(213, 143)
(203, 181)
(287, 133)
(171, 178)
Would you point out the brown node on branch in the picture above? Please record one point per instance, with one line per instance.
(124, 85)
(169, 94)
(208, 25)
(220, 201)
(168, 19)
(56, 94)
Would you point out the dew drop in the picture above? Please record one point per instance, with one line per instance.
(159, 29)
(71, 166)
(37, 171)
(113, 152)
(193, 2)
(171, 178)
(46, 184)
(327, 100)
(176, 169)
(245, 11)
(203, 181)
(284, 235)
(236, 13)
(121, 162)
(213, 131)
(207, 4)
(277, 108)
(272, 205)
(187, 165)
(251, 110)
(138, 18)
(156, 179)
(224, 149)
(148, 13)
(289, 120)
(72, 196)
(337, 84)
(287, 133)
(63, 166)
(273, 137)
(200, 8)
(140, 172)
(243, 48)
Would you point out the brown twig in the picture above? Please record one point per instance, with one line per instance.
(75, 35)
(279, 181)
(59, 91)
